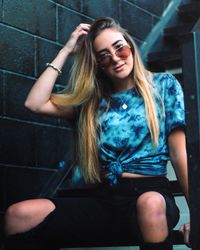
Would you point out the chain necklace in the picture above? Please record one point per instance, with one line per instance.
(122, 102)
(124, 105)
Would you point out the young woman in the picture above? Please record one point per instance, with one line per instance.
(130, 122)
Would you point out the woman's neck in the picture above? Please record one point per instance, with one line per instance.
(122, 85)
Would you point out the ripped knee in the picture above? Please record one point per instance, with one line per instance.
(151, 201)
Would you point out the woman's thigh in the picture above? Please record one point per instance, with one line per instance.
(25, 215)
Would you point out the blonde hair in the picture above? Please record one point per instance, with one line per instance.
(87, 87)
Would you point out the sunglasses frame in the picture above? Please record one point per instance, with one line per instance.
(110, 55)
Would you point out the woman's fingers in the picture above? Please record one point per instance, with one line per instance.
(74, 41)
(83, 26)
(185, 230)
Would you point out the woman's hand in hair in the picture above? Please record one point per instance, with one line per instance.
(74, 41)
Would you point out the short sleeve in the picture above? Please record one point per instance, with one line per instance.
(174, 104)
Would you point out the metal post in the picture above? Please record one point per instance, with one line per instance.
(191, 86)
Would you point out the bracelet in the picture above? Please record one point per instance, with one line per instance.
(54, 67)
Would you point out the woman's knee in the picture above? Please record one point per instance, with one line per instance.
(25, 215)
(151, 210)
(151, 205)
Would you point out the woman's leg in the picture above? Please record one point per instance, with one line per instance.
(63, 221)
(23, 216)
(152, 220)
(20, 218)
(151, 210)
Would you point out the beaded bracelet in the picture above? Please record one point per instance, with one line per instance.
(54, 67)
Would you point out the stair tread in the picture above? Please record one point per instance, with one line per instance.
(163, 60)
(88, 190)
(190, 11)
(165, 55)
(177, 31)
(124, 239)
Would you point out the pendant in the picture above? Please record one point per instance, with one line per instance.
(124, 106)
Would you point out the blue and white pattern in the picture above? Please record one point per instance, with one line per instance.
(124, 143)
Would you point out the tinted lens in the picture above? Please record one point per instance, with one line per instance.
(105, 60)
(123, 52)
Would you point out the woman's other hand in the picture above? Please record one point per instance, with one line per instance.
(185, 230)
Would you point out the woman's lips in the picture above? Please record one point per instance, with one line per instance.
(119, 68)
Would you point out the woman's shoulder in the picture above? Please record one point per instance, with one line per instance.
(168, 86)
(165, 80)
(163, 76)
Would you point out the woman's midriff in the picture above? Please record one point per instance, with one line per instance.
(131, 175)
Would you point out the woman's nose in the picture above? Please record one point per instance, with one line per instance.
(114, 57)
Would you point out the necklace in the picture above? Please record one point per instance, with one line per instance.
(119, 101)
(123, 101)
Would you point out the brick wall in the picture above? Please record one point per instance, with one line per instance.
(34, 148)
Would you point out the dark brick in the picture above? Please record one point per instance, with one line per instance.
(156, 7)
(25, 183)
(1, 10)
(101, 8)
(30, 145)
(131, 1)
(66, 124)
(67, 22)
(155, 20)
(138, 42)
(17, 143)
(16, 91)
(65, 139)
(63, 79)
(16, 51)
(53, 146)
(1, 92)
(33, 16)
(2, 187)
(76, 5)
(46, 53)
(138, 27)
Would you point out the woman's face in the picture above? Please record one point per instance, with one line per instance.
(116, 65)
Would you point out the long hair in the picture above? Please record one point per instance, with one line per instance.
(86, 88)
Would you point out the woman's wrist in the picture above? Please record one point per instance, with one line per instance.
(65, 51)
(59, 60)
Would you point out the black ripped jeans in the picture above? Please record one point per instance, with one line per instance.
(110, 213)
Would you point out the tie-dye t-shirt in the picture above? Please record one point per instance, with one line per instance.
(125, 143)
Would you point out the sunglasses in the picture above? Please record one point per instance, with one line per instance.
(122, 52)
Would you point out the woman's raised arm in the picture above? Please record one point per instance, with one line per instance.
(38, 99)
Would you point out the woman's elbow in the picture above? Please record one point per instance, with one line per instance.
(31, 106)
